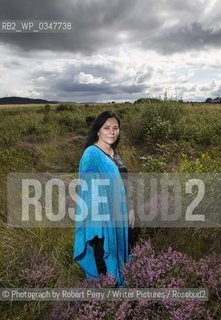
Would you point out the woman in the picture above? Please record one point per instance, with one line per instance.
(103, 246)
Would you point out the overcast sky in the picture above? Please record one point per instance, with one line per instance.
(116, 50)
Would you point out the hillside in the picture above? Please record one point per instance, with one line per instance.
(20, 100)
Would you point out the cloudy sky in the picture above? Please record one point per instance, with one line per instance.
(116, 50)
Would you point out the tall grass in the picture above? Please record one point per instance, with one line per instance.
(156, 136)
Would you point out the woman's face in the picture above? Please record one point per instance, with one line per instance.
(109, 132)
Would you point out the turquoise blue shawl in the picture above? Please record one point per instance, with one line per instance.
(107, 199)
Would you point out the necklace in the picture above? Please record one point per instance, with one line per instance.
(110, 155)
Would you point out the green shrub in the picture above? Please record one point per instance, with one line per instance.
(155, 121)
(157, 129)
(41, 132)
(64, 107)
(202, 127)
(89, 120)
(71, 122)
(151, 164)
(202, 164)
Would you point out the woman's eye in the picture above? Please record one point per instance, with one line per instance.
(109, 128)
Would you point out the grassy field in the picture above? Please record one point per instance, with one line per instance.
(164, 136)
(13, 106)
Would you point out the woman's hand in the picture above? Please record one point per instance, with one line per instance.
(131, 218)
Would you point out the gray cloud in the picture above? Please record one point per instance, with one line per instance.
(184, 38)
(94, 23)
(100, 24)
(217, 92)
(67, 85)
(96, 89)
(111, 52)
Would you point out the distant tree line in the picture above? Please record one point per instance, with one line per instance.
(216, 100)
(143, 100)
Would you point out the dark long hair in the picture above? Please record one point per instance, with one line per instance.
(98, 123)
